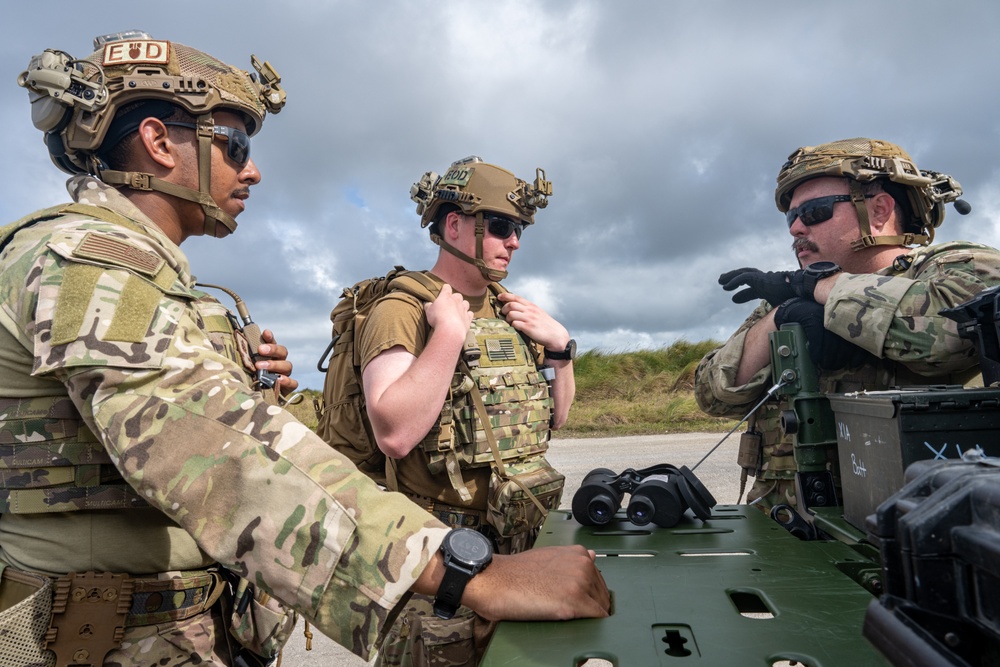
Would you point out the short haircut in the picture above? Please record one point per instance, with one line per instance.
(442, 213)
(116, 151)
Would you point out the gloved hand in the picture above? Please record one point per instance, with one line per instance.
(827, 350)
(775, 287)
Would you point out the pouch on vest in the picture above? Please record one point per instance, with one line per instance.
(519, 502)
(748, 455)
(25, 609)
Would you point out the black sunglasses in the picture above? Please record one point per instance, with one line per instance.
(502, 227)
(815, 211)
(237, 141)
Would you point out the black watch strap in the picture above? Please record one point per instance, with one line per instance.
(568, 353)
(449, 594)
(466, 553)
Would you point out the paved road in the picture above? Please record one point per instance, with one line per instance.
(575, 458)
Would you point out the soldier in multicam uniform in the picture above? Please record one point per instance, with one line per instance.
(868, 304)
(153, 501)
(458, 393)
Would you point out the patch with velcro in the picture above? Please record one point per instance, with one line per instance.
(500, 349)
(107, 249)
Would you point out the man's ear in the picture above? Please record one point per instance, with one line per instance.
(154, 141)
(451, 223)
(881, 211)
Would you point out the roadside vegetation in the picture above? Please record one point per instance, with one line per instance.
(629, 393)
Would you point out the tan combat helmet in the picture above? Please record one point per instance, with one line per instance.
(86, 106)
(476, 187)
(865, 160)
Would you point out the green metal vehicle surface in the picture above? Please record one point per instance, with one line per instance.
(813, 587)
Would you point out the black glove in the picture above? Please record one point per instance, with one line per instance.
(775, 287)
(826, 349)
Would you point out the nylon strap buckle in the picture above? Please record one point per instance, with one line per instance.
(139, 181)
(88, 617)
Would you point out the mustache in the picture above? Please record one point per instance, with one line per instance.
(803, 244)
(241, 192)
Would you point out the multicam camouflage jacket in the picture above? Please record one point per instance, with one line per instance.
(106, 315)
(893, 314)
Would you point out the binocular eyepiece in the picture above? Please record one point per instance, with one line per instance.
(660, 494)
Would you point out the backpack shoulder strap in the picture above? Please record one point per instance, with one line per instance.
(415, 283)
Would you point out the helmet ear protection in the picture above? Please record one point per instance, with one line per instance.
(476, 187)
(921, 194)
(76, 102)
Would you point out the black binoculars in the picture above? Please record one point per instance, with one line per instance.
(659, 494)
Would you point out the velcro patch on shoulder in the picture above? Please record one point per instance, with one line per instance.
(110, 250)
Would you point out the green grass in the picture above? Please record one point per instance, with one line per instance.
(639, 393)
(629, 393)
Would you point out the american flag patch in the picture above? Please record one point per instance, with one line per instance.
(500, 349)
(104, 248)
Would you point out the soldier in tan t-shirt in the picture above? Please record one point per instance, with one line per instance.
(441, 379)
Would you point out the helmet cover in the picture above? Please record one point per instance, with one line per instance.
(75, 101)
(923, 193)
(474, 186)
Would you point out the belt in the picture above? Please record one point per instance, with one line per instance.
(150, 600)
(464, 517)
(175, 599)
(90, 610)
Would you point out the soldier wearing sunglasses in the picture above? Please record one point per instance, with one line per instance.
(868, 293)
(159, 507)
(458, 390)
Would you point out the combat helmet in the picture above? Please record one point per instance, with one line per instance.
(86, 106)
(477, 187)
(921, 194)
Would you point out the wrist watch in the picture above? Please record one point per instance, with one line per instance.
(820, 270)
(567, 354)
(466, 552)
(815, 272)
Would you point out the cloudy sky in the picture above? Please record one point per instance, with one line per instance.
(662, 126)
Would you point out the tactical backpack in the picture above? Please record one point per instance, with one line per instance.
(342, 415)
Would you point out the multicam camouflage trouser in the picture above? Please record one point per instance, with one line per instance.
(775, 480)
(25, 611)
(177, 618)
(418, 638)
(421, 639)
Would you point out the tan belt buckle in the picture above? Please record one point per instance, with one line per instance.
(88, 617)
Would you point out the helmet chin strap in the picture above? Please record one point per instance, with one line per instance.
(867, 239)
(493, 275)
(145, 182)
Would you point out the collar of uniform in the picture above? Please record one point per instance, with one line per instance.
(85, 189)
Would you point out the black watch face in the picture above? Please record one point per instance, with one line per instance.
(821, 268)
(469, 546)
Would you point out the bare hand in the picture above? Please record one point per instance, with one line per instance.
(543, 584)
(538, 325)
(449, 313)
(276, 362)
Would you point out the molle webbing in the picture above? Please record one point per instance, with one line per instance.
(515, 397)
(51, 462)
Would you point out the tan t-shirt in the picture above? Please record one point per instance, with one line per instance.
(396, 322)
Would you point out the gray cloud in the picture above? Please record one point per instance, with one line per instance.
(662, 126)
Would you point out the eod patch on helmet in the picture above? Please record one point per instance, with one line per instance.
(921, 194)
